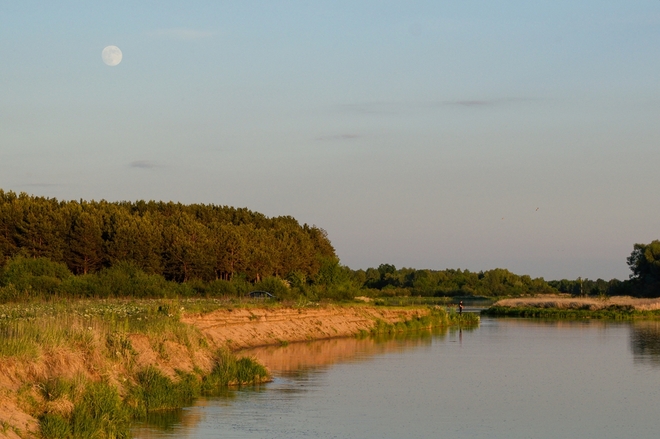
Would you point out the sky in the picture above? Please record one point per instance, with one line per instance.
(427, 134)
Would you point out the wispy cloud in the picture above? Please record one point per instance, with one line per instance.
(143, 164)
(180, 34)
(411, 106)
(339, 137)
(485, 102)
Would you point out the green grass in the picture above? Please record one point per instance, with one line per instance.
(429, 301)
(437, 317)
(609, 313)
(230, 370)
(153, 391)
(99, 410)
(99, 330)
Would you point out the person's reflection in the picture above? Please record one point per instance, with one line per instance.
(460, 336)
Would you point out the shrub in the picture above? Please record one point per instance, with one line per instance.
(40, 276)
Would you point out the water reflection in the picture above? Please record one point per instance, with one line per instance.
(296, 359)
(645, 342)
(511, 378)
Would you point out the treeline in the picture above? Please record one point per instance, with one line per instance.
(156, 249)
(178, 242)
(387, 280)
(590, 287)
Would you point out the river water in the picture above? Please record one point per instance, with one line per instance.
(508, 378)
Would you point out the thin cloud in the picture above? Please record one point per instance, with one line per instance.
(181, 34)
(339, 137)
(486, 102)
(470, 103)
(143, 164)
(408, 107)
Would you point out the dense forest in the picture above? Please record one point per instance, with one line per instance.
(156, 249)
(179, 242)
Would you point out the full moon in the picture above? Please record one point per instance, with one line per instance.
(111, 55)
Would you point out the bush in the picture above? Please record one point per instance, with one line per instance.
(275, 286)
(40, 276)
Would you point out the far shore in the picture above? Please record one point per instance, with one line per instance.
(562, 306)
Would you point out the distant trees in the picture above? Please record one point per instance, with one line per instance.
(409, 281)
(179, 242)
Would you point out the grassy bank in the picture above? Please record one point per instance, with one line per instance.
(611, 308)
(438, 317)
(88, 368)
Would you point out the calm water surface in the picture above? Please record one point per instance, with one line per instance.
(506, 379)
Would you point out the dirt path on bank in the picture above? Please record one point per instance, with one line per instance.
(246, 328)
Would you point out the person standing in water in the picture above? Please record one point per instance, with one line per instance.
(460, 307)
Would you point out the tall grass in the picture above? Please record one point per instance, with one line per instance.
(153, 391)
(89, 409)
(435, 318)
(230, 370)
(99, 332)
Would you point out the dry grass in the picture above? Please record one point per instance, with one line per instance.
(586, 303)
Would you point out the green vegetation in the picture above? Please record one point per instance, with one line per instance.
(72, 249)
(96, 409)
(178, 242)
(100, 331)
(438, 317)
(644, 262)
(613, 312)
(388, 281)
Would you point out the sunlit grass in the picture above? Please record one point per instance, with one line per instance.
(617, 307)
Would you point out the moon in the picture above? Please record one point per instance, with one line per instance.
(111, 55)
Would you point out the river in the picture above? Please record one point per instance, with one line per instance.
(508, 378)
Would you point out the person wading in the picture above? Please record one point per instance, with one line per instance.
(460, 307)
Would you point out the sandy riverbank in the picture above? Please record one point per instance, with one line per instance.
(92, 355)
(246, 328)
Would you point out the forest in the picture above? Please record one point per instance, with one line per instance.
(179, 242)
(157, 249)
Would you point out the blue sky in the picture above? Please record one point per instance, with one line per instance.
(428, 134)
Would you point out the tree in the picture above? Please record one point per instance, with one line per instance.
(644, 262)
(85, 242)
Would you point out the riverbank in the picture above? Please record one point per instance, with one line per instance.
(151, 355)
(567, 307)
(238, 329)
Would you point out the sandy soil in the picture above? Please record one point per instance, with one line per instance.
(245, 328)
